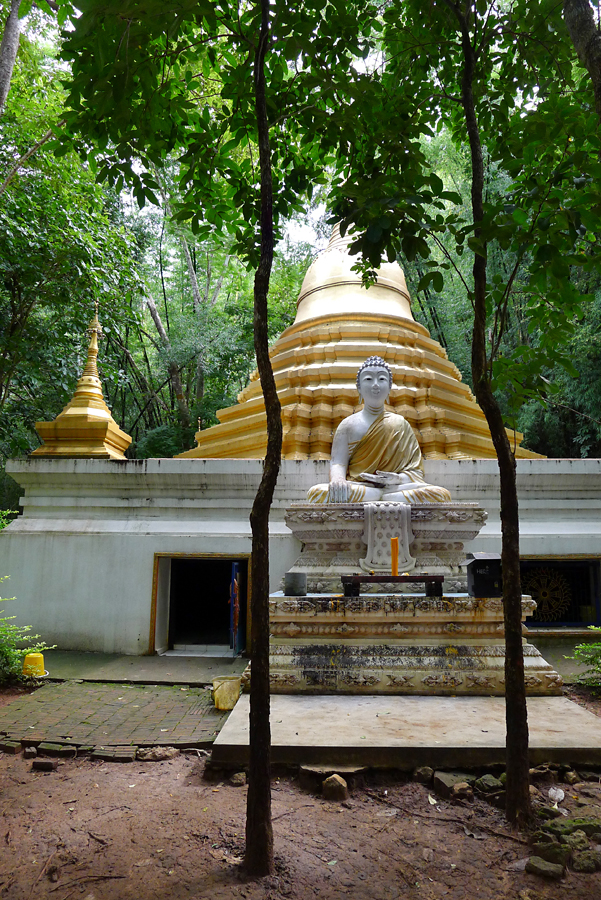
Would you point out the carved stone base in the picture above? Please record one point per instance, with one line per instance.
(335, 540)
(387, 644)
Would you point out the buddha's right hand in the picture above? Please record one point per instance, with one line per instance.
(339, 492)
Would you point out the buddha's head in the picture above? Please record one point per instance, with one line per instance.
(374, 381)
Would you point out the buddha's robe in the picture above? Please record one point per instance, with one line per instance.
(389, 445)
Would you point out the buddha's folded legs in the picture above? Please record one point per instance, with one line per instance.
(359, 493)
(415, 492)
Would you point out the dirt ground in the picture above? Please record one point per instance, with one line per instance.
(111, 831)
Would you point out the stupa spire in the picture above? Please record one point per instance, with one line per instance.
(85, 427)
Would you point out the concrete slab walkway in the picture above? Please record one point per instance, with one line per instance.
(93, 715)
(65, 665)
(404, 731)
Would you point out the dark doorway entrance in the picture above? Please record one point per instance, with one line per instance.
(207, 603)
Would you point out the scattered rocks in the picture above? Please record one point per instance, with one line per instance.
(554, 853)
(590, 776)
(568, 826)
(526, 894)
(529, 894)
(238, 779)
(13, 747)
(156, 754)
(462, 791)
(538, 866)
(571, 777)
(30, 753)
(335, 788)
(542, 837)
(543, 773)
(311, 777)
(423, 774)
(587, 861)
(548, 812)
(488, 784)
(443, 781)
(577, 840)
(44, 765)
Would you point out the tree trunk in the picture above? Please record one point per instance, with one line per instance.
(258, 858)
(8, 51)
(516, 717)
(172, 369)
(23, 159)
(580, 22)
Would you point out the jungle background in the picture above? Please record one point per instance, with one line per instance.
(176, 306)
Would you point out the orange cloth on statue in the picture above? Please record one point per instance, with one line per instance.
(388, 445)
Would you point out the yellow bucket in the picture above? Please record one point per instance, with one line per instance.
(226, 691)
(33, 665)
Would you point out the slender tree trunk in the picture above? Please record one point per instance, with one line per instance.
(23, 159)
(196, 295)
(580, 22)
(172, 369)
(258, 858)
(518, 793)
(8, 51)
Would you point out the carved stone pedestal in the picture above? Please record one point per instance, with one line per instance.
(391, 644)
(350, 538)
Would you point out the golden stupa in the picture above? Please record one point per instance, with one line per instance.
(338, 324)
(85, 427)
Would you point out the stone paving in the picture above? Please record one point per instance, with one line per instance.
(112, 716)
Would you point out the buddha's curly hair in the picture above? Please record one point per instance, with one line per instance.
(375, 362)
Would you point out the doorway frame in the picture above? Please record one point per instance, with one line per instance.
(154, 604)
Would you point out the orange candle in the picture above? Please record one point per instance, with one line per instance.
(394, 553)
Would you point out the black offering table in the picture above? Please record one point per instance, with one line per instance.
(351, 584)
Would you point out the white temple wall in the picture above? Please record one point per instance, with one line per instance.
(82, 556)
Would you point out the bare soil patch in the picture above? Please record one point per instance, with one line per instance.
(588, 697)
(14, 692)
(115, 831)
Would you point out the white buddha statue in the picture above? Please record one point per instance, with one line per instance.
(375, 454)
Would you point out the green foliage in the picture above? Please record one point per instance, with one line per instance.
(590, 655)
(62, 246)
(542, 211)
(162, 442)
(179, 82)
(161, 103)
(6, 517)
(15, 643)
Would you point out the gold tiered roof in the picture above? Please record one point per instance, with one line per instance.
(85, 427)
(339, 323)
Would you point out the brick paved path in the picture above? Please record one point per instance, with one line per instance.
(108, 715)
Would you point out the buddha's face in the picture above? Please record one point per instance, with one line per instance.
(374, 385)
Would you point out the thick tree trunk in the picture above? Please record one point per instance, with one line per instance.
(258, 858)
(8, 51)
(516, 716)
(580, 22)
